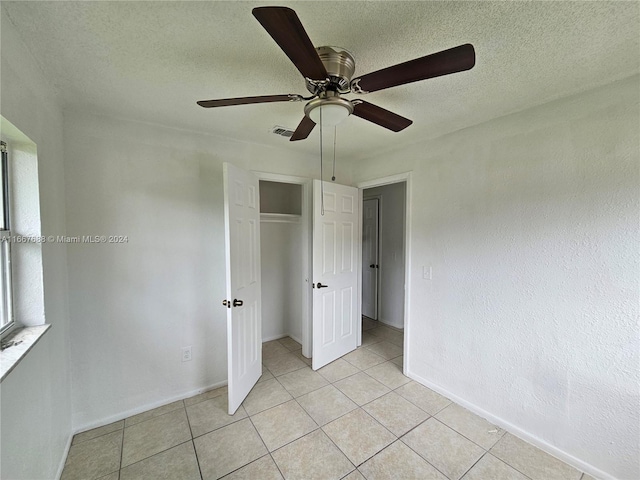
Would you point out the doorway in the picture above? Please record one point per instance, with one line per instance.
(288, 252)
(386, 254)
(284, 245)
(370, 254)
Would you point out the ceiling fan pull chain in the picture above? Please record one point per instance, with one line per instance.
(333, 177)
(321, 182)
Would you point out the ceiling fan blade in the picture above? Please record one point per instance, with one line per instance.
(226, 102)
(380, 116)
(303, 130)
(285, 28)
(454, 60)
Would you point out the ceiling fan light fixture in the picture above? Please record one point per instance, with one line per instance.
(334, 110)
(331, 114)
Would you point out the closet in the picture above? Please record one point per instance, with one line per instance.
(282, 250)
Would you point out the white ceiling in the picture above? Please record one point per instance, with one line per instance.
(152, 60)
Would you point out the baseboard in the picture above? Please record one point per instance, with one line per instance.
(391, 325)
(515, 430)
(63, 460)
(144, 408)
(135, 411)
(278, 337)
(274, 337)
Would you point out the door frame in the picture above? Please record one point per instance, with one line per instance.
(306, 259)
(379, 245)
(379, 182)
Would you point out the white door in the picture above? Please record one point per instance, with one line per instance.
(370, 258)
(244, 324)
(335, 272)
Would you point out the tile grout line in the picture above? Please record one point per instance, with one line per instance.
(415, 405)
(221, 427)
(383, 448)
(200, 401)
(397, 438)
(155, 416)
(97, 436)
(371, 376)
(511, 466)
(263, 443)
(485, 451)
(462, 434)
(193, 443)
(474, 464)
(430, 415)
(376, 420)
(318, 427)
(157, 453)
(358, 407)
(161, 451)
(276, 464)
(195, 452)
(409, 447)
(267, 448)
(121, 448)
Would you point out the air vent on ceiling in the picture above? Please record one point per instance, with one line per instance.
(282, 131)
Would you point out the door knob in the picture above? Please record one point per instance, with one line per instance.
(226, 303)
(237, 303)
(373, 265)
(319, 285)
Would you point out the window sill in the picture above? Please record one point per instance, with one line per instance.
(24, 339)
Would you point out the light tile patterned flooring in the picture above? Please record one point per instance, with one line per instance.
(357, 418)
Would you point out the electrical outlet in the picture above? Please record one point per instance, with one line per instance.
(186, 354)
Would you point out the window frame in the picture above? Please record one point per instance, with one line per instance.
(6, 286)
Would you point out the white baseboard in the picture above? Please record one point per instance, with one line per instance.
(143, 408)
(274, 337)
(278, 337)
(400, 327)
(515, 430)
(149, 406)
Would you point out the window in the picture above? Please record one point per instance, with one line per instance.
(6, 310)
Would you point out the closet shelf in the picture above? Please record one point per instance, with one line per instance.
(280, 218)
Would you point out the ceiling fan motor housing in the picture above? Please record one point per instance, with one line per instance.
(340, 66)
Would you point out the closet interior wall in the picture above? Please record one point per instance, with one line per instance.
(281, 248)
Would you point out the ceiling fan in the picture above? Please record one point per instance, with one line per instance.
(328, 74)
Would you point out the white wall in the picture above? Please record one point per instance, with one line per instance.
(133, 306)
(531, 225)
(35, 398)
(391, 247)
(282, 278)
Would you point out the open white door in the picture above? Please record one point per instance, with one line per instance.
(335, 272)
(370, 258)
(244, 325)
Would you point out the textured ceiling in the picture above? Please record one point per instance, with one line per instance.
(151, 61)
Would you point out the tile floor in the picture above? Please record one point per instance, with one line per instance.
(357, 418)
